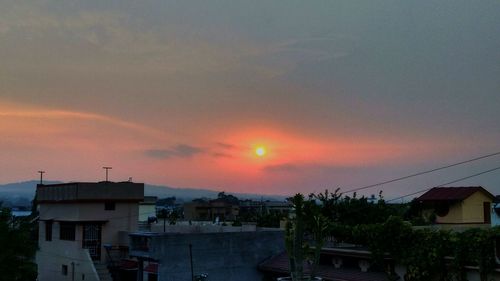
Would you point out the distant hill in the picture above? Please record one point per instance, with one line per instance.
(22, 192)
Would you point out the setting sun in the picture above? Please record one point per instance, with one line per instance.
(260, 151)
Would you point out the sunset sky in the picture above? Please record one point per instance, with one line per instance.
(182, 93)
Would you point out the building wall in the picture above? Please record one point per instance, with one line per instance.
(455, 214)
(52, 255)
(469, 211)
(473, 211)
(146, 210)
(223, 256)
(123, 218)
(91, 191)
(495, 218)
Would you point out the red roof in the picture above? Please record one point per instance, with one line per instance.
(152, 267)
(452, 193)
(279, 264)
(128, 264)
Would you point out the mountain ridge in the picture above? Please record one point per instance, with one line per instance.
(25, 190)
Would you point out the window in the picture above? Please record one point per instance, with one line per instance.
(64, 270)
(109, 206)
(67, 231)
(48, 230)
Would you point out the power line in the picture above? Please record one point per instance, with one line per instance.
(441, 185)
(423, 172)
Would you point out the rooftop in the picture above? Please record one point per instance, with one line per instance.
(280, 264)
(90, 192)
(452, 193)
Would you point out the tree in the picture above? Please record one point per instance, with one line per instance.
(307, 221)
(228, 198)
(17, 249)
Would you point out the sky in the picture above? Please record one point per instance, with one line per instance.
(341, 94)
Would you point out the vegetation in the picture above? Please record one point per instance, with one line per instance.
(17, 247)
(171, 215)
(348, 210)
(427, 253)
(228, 198)
(307, 221)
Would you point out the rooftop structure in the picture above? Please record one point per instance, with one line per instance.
(457, 206)
(452, 193)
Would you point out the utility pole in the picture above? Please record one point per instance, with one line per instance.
(191, 260)
(41, 176)
(107, 169)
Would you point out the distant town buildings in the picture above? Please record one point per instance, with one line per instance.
(265, 207)
(211, 210)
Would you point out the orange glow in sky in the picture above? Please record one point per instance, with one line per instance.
(266, 160)
(260, 151)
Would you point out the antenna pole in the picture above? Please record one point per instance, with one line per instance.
(41, 176)
(107, 168)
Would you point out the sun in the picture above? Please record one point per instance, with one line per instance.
(260, 151)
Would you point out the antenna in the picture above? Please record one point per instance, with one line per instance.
(41, 176)
(107, 168)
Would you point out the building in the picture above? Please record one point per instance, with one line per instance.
(352, 263)
(457, 205)
(212, 210)
(80, 223)
(346, 264)
(220, 255)
(147, 208)
(495, 215)
(265, 207)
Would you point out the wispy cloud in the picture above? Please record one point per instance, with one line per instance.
(308, 167)
(279, 168)
(225, 145)
(180, 150)
(221, 155)
(62, 114)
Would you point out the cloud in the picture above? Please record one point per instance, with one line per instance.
(225, 145)
(180, 150)
(310, 167)
(221, 155)
(63, 114)
(287, 167)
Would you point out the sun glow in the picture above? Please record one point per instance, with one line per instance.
(260, 151)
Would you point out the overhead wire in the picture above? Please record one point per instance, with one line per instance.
(442, 185)
(422, 173)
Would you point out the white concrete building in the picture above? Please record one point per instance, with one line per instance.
(147, 208)
(78, 221)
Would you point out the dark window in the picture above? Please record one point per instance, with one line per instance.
(109, 206)
(64, 269)
(487, 212)
(67, 231)
(48, 231)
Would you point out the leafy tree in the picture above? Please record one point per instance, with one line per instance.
(306, 225)
(17, 248)
(228, 198)
(352, 211)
